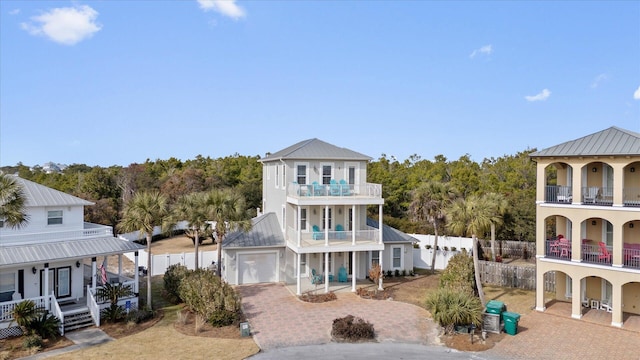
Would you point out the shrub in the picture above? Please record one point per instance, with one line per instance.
(172, 278)
(206, 295)
(113, 293)
(412, 273)
(350, 328)
(458, 275)
(450, 308)
(404, 272)
(396, 273)
(140, 315)
(427, 246)
(446, 248)
(32, 341)
(453, 248)
(46, 326)
(416, 245)
(24, 312)
(389, 273)
(223, 317)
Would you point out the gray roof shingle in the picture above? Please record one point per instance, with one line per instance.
(40, 195)
(63, 250)
(611, 141)
(265, 232)
(315, 149)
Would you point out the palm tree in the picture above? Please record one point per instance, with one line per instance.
(12, 202)
(497, 205)
(471, 216)
(192, 208)
(227, 210)
(429, 204)
(143, 213)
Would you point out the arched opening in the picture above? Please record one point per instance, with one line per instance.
(631, 305)
(631, 244)
(597, 184)
(558, 291)
(597, 241)
(631, 190)
(596, 297)
(558, 237)
(558, 184)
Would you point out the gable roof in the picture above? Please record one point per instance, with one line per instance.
(611, 141)
(265, 232)
(390, 234)
(40, 195)
(315, 149)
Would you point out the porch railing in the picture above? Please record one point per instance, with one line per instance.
(558, 194)
(369, 235)
(93, 306)
(558, 250)
(595, 255)
(335, 190)
(57, 312)
(6, 308)
(631, 257)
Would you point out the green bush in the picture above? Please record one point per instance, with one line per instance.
(24, 312)
(389, 273)
(32, 341)
(396, 273)
(221, 318)
(450, 308)
(458, 275)
(113, 293)
(45, 325)
(350, 328)
(172, 279)
(206, 295)
(140, 315)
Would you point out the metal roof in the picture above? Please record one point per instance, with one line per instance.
(64, 250)
(390, 234)
(265, 232)
(40, 195)
(315, 149)
(611, 141)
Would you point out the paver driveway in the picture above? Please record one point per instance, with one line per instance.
(279, 319)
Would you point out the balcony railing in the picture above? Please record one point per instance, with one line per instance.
(591, 195)
(631, 196)
(369, 236)
(557, 249)
(595, 254)
(558, 194)
(334, 190)
(89, 231)
(631, 257)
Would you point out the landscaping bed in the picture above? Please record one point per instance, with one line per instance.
(11, 348)
(186, 325)
(318, 298)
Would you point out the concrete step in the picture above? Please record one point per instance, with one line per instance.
(77, 319)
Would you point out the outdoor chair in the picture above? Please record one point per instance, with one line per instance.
(342, 274)
(344, 188)
(565, 247)
(315, 278)
(340, 232)
(564, 194)
(591, 195)
(604, 252)
(318, 190)
(317, 234)
(334, 188)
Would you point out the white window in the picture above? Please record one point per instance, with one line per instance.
(303, 219)
(284, 219)
(7, 286)
(284, 177)
(277, 176)
(324, 218)
(397, 257)
(327, 174)
(375, 258)
(54, 217)
(301, 174)
(303, 264)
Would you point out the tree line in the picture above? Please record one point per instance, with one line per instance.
(111, 188)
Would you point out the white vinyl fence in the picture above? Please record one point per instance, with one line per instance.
(161, 262)
(449, 241)
(422, 258)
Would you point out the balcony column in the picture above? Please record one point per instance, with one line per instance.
(380, 225)
(326, 225)
(119, 266)
(576, 243)
(540, 289)
(618, 185)
(298, 285)
(576, 297)
(326, 272)
(299, 232)
(381, 271)
(617, 258)
(94, 273)
(576, 181)
(353, 271)
(136, 273)
(616, 305)
(46, 286)
(353, 225)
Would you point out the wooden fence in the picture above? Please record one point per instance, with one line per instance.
(515, 249)
(521, 277)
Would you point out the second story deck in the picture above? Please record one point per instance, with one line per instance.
(368, 239)
(337, 192)
(592, 195)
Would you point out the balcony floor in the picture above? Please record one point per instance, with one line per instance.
(631, 322)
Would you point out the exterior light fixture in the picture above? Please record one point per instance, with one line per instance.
(594, 169)
(34, 270)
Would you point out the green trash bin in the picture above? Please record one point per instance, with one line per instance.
(511, 320)
(495, 307)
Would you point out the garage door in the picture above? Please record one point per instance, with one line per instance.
(257, 268)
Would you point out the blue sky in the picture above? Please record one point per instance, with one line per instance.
(118, 82)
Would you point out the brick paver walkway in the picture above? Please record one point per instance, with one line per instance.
(279, 319)
(549, 336)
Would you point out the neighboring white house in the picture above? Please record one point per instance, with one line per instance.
(44, 260)
(315, 199)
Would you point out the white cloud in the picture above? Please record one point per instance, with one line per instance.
(66, 26)
(485, 50)
(600, 78)
(543, 95)
(636, 95)
(224, 7)
(14, 12)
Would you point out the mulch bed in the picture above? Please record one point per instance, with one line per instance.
(318, 298)
(11, 348)
(121, 329)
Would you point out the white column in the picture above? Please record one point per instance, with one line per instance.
(119, 266)
(46, 286)
(326, 272)
(381, 271)
(136, 275)
(617, 317)
(380, 224)
(353, 224)
(326, 225)
(353, 271)
(299, 232)
(298, 255)
(93, 273)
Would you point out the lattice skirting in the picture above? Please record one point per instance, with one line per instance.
(10, 332)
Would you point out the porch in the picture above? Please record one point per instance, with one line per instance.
(334, 286)
(630, 321)
(302, 239)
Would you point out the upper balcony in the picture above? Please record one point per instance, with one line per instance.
(360, 240)
(593, 252)
(335, 192)
(90, 230)
(592, 195)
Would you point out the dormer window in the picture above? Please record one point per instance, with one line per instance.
(54, 217)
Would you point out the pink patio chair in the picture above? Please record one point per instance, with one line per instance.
(604, 252)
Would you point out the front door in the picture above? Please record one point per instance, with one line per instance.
(59, 281)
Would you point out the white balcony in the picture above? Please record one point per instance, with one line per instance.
(309, 194)
(89, 231)
(358, 239)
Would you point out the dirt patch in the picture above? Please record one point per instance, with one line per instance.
(462, 342)
(185, 324)
(11, 348)
(318, 298)
(121, 329)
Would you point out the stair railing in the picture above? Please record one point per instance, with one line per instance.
(55, 310)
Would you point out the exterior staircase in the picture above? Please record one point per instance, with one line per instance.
(77, 318)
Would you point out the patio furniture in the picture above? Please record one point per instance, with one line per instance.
(605, 305)
(318, 189)
(604, 252)
(317, 234)
(564, 194)
(554, 247)
(565, 247)
(315, 278)
(344, 188)
(334, 188)
(591, 195)
(595, 304)
(342, 274)
(340, 232)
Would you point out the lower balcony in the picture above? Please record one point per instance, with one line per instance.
(333, 238)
